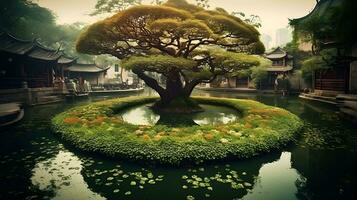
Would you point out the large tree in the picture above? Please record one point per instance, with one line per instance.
(183, 42)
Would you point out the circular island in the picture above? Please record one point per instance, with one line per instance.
(100, 127)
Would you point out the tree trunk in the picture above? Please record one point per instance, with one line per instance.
(174, 88)
(121, 74)
(175, 97)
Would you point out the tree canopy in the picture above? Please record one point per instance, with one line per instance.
(184, 42)
(113, 6)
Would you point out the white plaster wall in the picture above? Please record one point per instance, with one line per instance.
(111, 74)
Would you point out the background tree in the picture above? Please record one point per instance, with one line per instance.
(183, 42)
(27, 20)
(257, 74)
(251, 19)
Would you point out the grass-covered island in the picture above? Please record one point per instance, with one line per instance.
(96, 128)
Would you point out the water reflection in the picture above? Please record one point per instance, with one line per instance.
(140, 115)
(276, 180)
(143, 115)
(61, 175)
(329, 174)
(221, 180)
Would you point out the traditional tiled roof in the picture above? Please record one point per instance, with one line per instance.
(276, 54)
(43, 53)
(66, 60)
(89, 68)
(319, 10)
(13, 45)
(32, 49)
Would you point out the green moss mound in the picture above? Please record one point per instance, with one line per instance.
(95, 128)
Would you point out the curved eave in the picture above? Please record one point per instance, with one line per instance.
(319, 10)
(44, 54)
(297, 20)
(11, 44)
(86, 68)
(41, 52)
(275, 56)
(279, 69)
(31, 49)
(277, 53)
(66, 60)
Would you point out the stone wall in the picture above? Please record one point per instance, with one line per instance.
(30, 96)
(353, 72)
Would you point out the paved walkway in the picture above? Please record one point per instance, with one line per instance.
(347, 103)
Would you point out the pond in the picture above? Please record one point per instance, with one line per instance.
(211, 115)
(321, 165)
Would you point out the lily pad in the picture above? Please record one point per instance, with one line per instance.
(190, 197)
(247, 184)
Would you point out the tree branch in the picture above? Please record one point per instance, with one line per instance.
(150, 82)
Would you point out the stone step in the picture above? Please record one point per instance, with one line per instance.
(349, 97)
(323, 99)
(48, 99)
(352, 114)
(328, 98)
(348, 104)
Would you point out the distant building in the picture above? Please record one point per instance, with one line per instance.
(266, 39)
(89, 72)
(33, 74)
(28, 63)
(282, 37)
(118, 74)
(29, 72)
(282, 64)
(114, 71)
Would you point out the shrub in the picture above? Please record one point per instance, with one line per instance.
(94, 128)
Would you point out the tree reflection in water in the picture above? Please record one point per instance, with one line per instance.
(143, 115)
(108, 176)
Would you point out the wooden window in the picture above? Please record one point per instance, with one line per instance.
(116, 69)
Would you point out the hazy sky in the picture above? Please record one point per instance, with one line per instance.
(274, 13)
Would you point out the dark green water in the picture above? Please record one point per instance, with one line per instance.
(34, 164)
